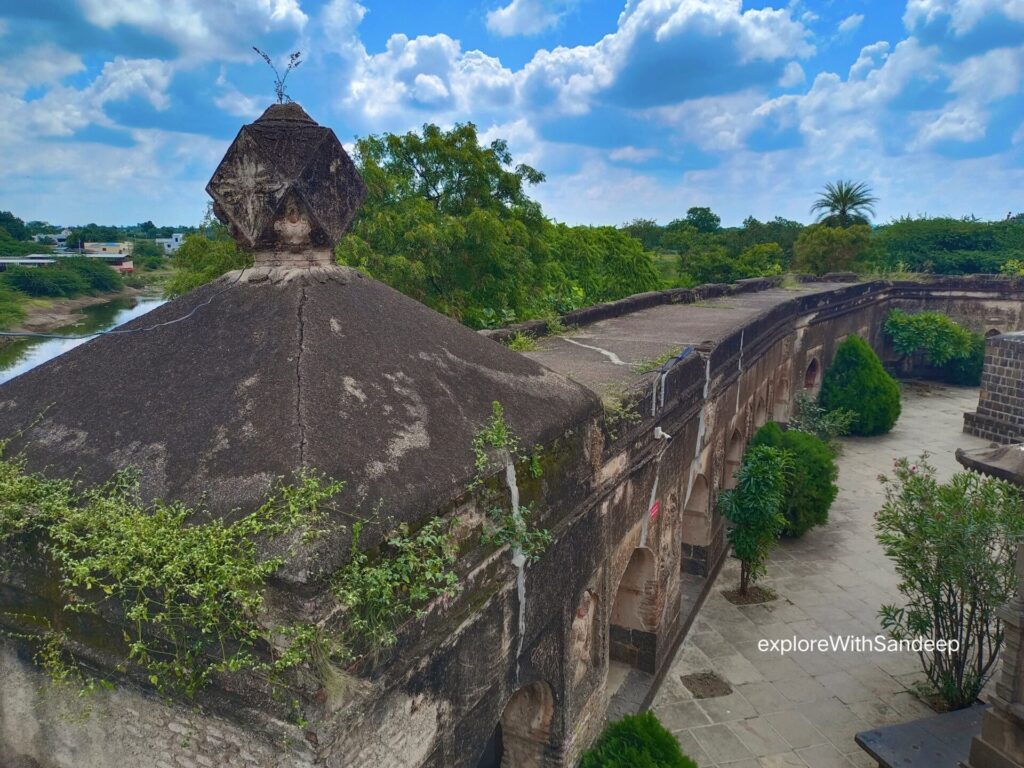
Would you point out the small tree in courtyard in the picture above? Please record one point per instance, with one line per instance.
(636, 741)
(754, 507)
(811, 484)
(857, 381)
(954, 545)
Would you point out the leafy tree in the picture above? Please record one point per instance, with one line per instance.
(958, 352)
(844, 204)
(449, 222)
(201, 259)
(754, 507)
(954, 546)
(147, 254)
(808, 416)
(949, 246)
(48, 281)
(646, 231)
(9, 247)
(1013, 268)
(703, 220)
(782, 232)
(820, 249)
(856, 381)
(811, 484)
(14, 226)
(759, 261)
(12, 310)
(636, 741)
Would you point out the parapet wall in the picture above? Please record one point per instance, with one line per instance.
(1000, 414)
(637, 542)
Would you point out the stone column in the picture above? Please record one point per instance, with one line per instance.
(1001, 741)
(1000, 414)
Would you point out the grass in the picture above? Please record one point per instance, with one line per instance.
(651, 364)
(522, 342)
(12, 307)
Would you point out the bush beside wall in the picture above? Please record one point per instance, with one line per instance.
(857, 381)
(636, 741)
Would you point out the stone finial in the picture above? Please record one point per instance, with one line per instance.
(287, 189)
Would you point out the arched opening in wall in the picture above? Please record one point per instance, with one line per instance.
(635, 613)
(812, 374)
(696, 528)
(733, 459)
(781, 400)
(522, 736)
(760, 412)
(991, 332)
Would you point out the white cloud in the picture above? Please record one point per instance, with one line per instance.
(714, 123)
(792, 76)
(204, 29)
(526, 17)
(850, 23)
(45, 64)
(233, 101)
(990, 76)
(633, 154)
(871, 57)
(963, 15)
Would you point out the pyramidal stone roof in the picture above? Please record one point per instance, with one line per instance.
(293, 363)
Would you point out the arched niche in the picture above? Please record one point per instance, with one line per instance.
(812, 375)
(522, 736)
(733, 459)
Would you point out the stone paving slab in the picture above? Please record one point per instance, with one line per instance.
(803, 710)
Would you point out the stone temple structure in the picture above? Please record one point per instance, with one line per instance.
(296, 363)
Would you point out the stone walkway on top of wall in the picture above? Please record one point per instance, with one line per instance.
(803, 709)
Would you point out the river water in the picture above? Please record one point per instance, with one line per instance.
(25, 354)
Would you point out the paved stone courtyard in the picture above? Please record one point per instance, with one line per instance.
(802, 710)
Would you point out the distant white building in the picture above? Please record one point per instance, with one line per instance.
(172, 243)
(60, 238)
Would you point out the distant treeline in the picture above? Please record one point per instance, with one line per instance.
(697, 249)
(16, 234)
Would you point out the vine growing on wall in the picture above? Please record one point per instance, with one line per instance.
(188, 591)
(496, 445)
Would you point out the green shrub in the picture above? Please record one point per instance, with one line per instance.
(97, 273)
(46, 281)
(857, 381)
(636, 741)
(954, 546)
(967, 370)
(11, 310)
(811, 482)
(754, 507)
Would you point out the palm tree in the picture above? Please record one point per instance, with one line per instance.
(845, 203)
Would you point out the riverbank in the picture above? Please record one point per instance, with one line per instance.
(44, 315)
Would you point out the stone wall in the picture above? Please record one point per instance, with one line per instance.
(1000, 414)
(637, 543)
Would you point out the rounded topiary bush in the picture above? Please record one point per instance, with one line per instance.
(857, 381)
(636, 741)
(811, 482)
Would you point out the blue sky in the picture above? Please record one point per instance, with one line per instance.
(117, 111)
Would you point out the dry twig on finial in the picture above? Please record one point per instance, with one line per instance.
(293, 63)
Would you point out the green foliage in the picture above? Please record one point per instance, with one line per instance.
(845, 204)
(636, 741)
(646, 231)
(1013, 268)
(496, 440)
(522, 342)
(934, 334)
(147, 254)
(202, 258)
(189, 592)
(379, 594)
(704, 258)
(856, 381)
(69, 277)
(808, 416)
(12, 310)
(449, 223)
(755, 508)
(704, 220)
(954, 547)
(620, 413)
(950, 246)
(811, 484)
(13, 226)
(957, 351)
(50, 281)
(12, 248)
(655, 363)
(820, 248)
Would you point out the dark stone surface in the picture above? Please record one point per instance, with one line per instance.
(943, 740)
(322, 368)
(1005, 462)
